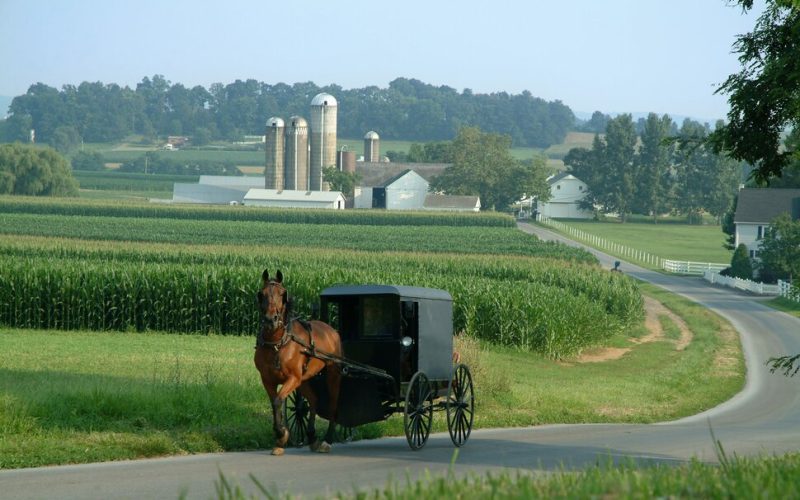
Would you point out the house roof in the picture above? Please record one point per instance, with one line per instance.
(445, 201)
(762, 205)
(375, 174)
(391, 180)
(557, 177)
(291, 195)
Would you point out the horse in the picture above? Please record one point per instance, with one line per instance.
(286, 355)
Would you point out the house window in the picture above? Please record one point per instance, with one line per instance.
(558, 186)
(760, 232)
(580, 188)
(753, 254)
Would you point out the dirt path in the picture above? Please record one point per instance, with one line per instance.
(653, 311)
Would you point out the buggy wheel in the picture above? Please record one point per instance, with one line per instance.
(460, 405)
(295, 415)
(418, 411)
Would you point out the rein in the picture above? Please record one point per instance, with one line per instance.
(288, 336)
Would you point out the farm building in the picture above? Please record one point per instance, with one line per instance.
(403, 191)
(755, 210)
(294, 199)
(215, 189)
(452, 203)
(566, 193)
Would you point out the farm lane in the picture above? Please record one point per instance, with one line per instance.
(763, 418)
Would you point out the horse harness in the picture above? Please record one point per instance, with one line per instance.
(310, 350)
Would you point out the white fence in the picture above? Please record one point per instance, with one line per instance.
(785, 289)
(672, 266)
(742, 284)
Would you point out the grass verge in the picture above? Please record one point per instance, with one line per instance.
(73, 397)
(783, 304)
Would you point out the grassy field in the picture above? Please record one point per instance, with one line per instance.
(111, 396)
(783, 304)
(675, 241)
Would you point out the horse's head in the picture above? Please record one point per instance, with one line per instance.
(273, 301)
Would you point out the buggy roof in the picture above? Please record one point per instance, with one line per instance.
(409, 292)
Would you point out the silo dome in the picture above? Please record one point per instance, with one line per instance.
(371, 135)
(323, 99)
(298, 121)
(275, 122)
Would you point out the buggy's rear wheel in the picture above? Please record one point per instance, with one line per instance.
(296, 411)
(460, 405)
(418, 411)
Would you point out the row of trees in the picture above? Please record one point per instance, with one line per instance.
(649, 173)
(407, 109)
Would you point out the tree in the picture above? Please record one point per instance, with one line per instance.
(32, 171)
(85, 160)
(340, 180)
(741, 267)
(653, 178)
(728, 226)
(780, 248)
(483, 166)
(764, 96)
(65, 138)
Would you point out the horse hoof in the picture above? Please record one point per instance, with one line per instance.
(322, 447)
(277, 451)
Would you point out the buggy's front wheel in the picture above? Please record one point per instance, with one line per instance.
(418, 414)
(296, 411)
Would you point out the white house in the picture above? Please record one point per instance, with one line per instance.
(294, 199)
(755, 210)
(566, 192)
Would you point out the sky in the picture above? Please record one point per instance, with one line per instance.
(665, 56)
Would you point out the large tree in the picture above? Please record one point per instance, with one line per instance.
(779, 254)
(483, 166)
(654, 179)
(33, 171)
(764, 96)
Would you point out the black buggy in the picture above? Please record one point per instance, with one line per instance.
(398, 345)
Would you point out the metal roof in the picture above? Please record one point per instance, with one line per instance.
(371, 135)
(298, 121)
(762, 205)
(559, 176)
(410, 292)
(323, 99)
(275, 122)
(292, 195)
(452, 201)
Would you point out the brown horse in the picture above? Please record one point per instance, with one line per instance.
(286, 354)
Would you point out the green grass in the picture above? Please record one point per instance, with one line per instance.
(73, 397)
(783, 304)
(762, 477)
(673, 241)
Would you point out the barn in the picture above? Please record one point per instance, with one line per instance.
(294, 199)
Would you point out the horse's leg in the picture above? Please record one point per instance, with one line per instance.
(281, 432)
(313, 401)
(334, 380)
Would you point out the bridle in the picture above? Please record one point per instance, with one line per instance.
(261, 340)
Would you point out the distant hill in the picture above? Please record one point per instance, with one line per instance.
(583, 116)
(5, 102)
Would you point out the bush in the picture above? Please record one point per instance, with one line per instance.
(84, 160)
(741, 267)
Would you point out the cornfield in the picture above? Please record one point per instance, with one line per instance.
(15, 204)
(546, 305)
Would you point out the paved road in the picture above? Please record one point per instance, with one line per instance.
(763, 418)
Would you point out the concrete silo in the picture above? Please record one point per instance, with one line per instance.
(297, 154)
(372, 147)
(346, 161)
(273, 171)
(323, 138)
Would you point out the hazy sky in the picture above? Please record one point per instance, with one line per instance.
(665, 56)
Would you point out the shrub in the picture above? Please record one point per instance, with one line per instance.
(741, 267)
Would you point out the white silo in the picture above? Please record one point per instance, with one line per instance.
(297, 154)
(372, 147)
(323, 138)
(273, 171)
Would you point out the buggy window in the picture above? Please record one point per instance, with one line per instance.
(379, 316)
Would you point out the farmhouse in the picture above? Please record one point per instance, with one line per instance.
(288, 198)
(566, 193)
(755, 210)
